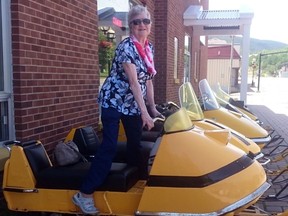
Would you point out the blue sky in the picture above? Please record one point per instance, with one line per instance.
(268, 22)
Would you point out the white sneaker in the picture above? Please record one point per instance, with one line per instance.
(85, 204)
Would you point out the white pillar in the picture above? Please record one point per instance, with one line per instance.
(245, 62)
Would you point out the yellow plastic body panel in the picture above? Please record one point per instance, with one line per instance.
(60, 201)
(121, 135)
(17, 172)
(175, 159)
(70, 135)
(184, 157)
(252, 147)
(249, 114)
(224, 103)
(242, 125)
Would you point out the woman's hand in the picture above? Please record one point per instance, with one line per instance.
(147, 121)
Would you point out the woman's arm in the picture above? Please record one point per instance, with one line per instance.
(150, 99)
(130, 70)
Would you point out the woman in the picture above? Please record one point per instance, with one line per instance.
(125, 95)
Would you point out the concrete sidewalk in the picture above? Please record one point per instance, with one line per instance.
(271, 107)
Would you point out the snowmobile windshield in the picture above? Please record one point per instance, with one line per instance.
(208, 99)
(178, 121)
(221, 94)
(189, 101)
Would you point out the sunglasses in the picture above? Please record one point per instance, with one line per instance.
(139, 21)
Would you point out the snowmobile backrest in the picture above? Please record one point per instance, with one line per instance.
(28, 143)
(37, 157)
(87, 140)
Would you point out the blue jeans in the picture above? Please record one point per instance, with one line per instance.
(101, 164)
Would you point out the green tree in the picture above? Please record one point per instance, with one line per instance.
(271, 61)
(106, 52)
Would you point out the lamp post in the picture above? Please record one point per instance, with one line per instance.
(107, 44)
(104, 29)
(259, 72)
(253, 71)
(110, 34)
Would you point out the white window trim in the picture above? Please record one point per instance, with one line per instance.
(7, 95)
(176, 51)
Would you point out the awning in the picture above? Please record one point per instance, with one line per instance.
(216, 22)
(223, 22)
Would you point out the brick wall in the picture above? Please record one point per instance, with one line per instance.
(55, 67)
(160, 30)
(168, 17)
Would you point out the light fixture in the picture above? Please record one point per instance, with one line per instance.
(110, 34)
(104, 29)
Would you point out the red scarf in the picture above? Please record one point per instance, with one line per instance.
(146, 54)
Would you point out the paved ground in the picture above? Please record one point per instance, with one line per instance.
(270, 104)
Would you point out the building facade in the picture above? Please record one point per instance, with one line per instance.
(223, 67)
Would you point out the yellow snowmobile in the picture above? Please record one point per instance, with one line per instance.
(191, 172)
(238, 106)
(188, 100)
(212, 110)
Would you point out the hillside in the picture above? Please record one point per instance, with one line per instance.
(256, 45)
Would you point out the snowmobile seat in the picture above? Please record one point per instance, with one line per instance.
(121, 177)
(88, 142)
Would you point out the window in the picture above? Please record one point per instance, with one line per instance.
(4, 133)
(7, 131)
(175, 58)
(187, 58)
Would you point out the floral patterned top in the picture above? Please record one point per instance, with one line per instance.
(116, 91)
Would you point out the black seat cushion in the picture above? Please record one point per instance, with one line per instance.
(87, 140)
(150, 136)
(37, 157)
(121, 177)
(154, 133)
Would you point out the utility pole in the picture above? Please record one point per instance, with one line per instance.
(259, 72)
(259, 69)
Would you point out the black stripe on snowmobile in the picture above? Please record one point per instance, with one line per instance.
(201, 181)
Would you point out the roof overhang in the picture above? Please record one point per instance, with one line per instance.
(223, 22)
(216, 22)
